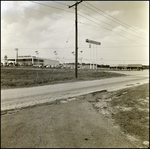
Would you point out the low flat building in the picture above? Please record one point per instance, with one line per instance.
(29, 60)
(134, 66)
(126, 66)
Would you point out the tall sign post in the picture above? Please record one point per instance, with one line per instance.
(94, 43)
(76, 38)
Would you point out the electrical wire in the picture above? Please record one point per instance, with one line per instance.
(111, 30)
(69, 11)
(52, 7)
(109, 24)
(80, 22)
(49, 13)
(111, 17)
(39, 11)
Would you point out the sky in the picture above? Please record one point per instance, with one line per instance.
(122, 28)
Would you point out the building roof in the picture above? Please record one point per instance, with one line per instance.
(29, 57)
(134, 65)
(126, 65)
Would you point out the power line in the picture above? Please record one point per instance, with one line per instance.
(48, 13)
(57, 8)
(110, 25)
(112, 17)
(111, 30)
(86, 18)
(80, 22)
(52, 7)
(90, 25)
(39, 11)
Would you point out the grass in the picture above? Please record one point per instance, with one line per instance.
(19, 77)
(136, 120)
(128, 109)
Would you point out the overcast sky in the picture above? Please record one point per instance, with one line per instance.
(122, 27)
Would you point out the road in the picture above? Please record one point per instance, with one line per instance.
(25, 97)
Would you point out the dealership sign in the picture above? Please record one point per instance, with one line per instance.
(25, 56)
(93, 42)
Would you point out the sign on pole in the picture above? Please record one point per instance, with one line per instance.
(93, 42)
(94, 53)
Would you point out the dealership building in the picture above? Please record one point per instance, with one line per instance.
(32, 60)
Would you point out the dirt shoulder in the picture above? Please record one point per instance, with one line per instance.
(80, 122)
(127, 110)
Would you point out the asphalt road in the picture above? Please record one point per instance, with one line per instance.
(25, 97)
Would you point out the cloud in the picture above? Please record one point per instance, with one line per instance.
(114, 13)
(48, 29)
(29, 30)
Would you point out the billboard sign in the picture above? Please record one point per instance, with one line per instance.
(93, 42)
(25, 56)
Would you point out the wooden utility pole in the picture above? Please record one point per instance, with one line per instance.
(76, 38)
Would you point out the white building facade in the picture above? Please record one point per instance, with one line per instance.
(33, 60)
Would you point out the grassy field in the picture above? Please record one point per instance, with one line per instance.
(127, 109)
(19, 77)
(133, 111)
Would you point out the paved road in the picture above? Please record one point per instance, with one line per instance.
(24, 97)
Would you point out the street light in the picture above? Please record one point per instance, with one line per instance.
(64, 61)
(102, 61)
(37, 56)
(81, 58)
(16, 56)
(73, 55)
(56, 55)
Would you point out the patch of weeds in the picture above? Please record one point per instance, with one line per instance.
(26, 83)
(132, 122)
(12, 84)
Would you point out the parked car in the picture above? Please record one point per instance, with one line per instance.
(48, 66)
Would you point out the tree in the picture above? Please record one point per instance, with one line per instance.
(5, 59)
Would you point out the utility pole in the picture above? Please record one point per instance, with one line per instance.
(76, 38)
